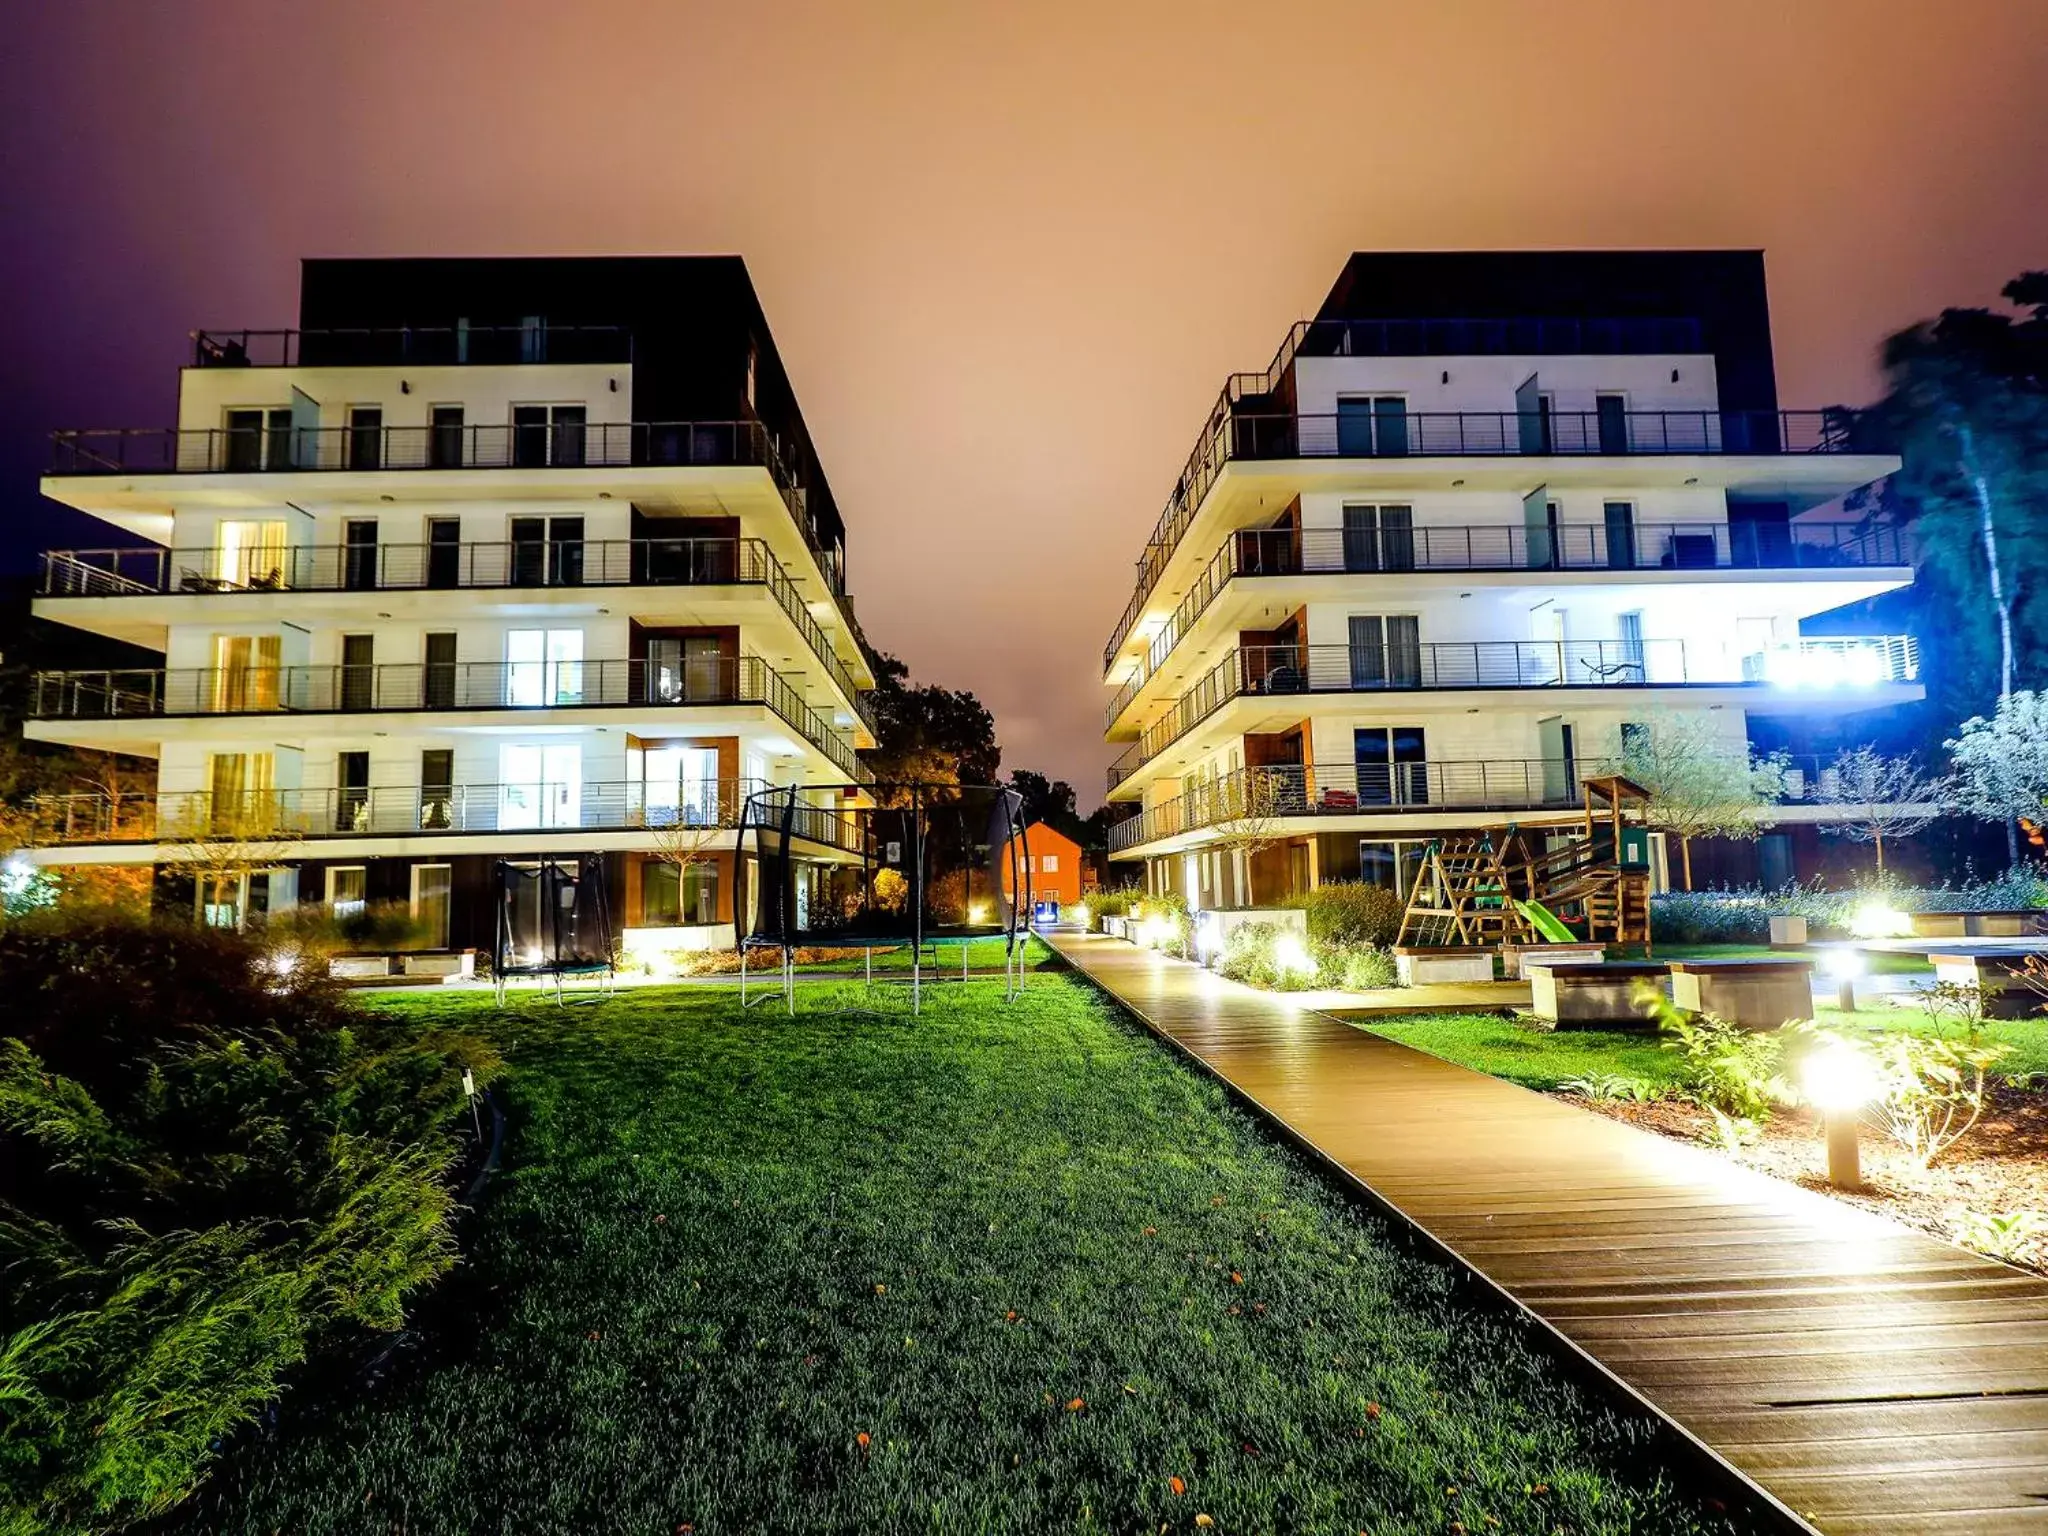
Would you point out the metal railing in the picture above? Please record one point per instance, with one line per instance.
(1379, 788)
(552, 445)
(431, 567)
(382, 688)
(1384, 549)
(411, 811)
(419, 346)
(1844, 661)
(1233, 435)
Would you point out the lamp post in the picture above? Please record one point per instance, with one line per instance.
(1845, 965)
(1839, 1080)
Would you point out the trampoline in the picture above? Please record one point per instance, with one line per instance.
(554, 922)
(917, 867)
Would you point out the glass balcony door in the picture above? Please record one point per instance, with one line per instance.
(539, 787)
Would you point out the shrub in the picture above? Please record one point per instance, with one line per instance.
(1172, 929)
(2010, 1235)
(1357, 967)
(1932, 1091)
(1255, 954)
(217, 1168)
(1612, 1088)
(1116, 903)
(1742, 915)
(1350, 912)
(1732, 1071)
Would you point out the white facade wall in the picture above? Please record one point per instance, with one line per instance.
(486, 393)
(1489, 383)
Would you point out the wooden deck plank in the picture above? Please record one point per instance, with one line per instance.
(1875, 1381)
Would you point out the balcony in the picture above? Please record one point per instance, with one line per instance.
(1235, 436)
(414, 346)
(360, 450)
(1368, 789)
(1270, 671)
(513, 565)
(1395, 549)
(380, 689)
(287, 815)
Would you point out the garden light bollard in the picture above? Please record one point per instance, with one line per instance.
(1839, 1080)
(1845, 965)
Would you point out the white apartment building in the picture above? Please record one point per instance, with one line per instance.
(491, 559)
(1482, 519)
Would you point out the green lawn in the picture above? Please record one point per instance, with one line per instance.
(1878, 963)
(997, 1269)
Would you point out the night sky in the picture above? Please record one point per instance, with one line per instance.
(1008, 253)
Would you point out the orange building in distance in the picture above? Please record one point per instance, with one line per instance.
(1055, 865)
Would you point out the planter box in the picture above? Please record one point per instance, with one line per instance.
(2001, 996)
(1788, 932)
(1427, 967)
(358, 967)
(1588, 994)
(1116, 927)
(1214, 925)
(1754, 994)
(460, 966)
(1516, 958)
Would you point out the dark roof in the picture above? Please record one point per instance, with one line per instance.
(1723, 291)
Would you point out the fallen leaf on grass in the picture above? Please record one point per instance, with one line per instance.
(1204, 1520)
(881, 1290)
(862, 1440)
(1077, 1405)
(1151, 1231)
(1177, 1486)
(1372, 1410)
(1236, 1278)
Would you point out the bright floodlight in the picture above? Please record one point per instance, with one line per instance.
(1838, 1078)
(1875, 920)
(1843, 963)
(1290, 954)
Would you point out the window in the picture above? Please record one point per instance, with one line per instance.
(249, 554)
(352, 792)
(1392, 764)
(359, 555)
(1371, 426)
(543, 667)
(444, 552)
(437, 789)
(444, 441)
(431, 887)
(241, 792)
(347, 885)
(358, 672)
(547, 551)
(366, 437)
(1620, 518)
(1635, 738)
(1386, 651)
(539, 786)
(437, 680)
(681, 786)
(245, 672)
(1049, 864)
(1634, 658)
(1379, 538)
(258, 439)
(547, 434)
(672, 895)
(1611, 411)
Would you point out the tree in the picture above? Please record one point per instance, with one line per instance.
(2001, 763)
(1701, 784)
(1246, 807)
(1879, 796)
(683, 842)
(929, 734)
(219, 842)
(1050, 801)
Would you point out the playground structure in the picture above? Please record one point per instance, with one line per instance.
(1512, 884)
(554, 922)
(900, 866)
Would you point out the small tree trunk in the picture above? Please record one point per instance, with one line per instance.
(1879, 838)
(1685, 859)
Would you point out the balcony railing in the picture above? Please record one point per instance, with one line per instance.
(1858, 661)
(553, 445)
(374, 689)
(435, 567)
(1375, 788)
(411, 811)
(418, 346)
(1394, 548)
(1234, 435)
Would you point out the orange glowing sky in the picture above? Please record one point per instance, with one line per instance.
(1008, 253)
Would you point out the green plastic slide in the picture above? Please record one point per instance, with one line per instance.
(1546, 922)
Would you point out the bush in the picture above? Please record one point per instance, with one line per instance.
(1742, 915)
(1116, 903)
(1170, 917)
(1735, 1072)
(1350, 912)
(1359, 967)
(1254, 954)
(217, 1167)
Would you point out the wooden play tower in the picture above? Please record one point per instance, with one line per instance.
(1471, 885)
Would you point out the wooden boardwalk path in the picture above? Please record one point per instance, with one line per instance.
(1871, 1380)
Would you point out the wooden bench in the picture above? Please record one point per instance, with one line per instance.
(2024, 923)
(1423, 965)
(1515, 957)
(1582, 994)
(1754, 994)
(1993, 968)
